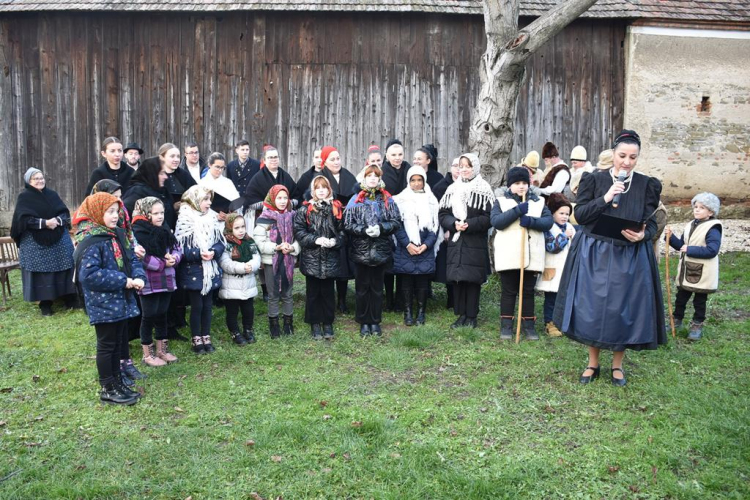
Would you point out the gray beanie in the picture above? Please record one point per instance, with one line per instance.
(708, 200)
(30, 173)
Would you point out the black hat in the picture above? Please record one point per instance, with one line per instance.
(549, 150)
(392, 142)
(516, 174)
(133, 145)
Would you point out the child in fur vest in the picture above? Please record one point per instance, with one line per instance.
(240, 261)
(557, 243)
(518, 208)
(698, 270)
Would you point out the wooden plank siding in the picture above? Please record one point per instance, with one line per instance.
(295, 80)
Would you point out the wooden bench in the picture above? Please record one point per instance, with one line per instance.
(8, 262)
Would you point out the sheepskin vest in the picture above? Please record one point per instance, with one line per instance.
(507, 241)
(549, 280)
(698, 275)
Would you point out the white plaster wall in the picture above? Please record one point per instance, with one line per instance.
(668, 72)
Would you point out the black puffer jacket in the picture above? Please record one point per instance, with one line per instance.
(467, 258)
(365, 249)
(316, 261)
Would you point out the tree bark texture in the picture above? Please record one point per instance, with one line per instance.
(503, 72)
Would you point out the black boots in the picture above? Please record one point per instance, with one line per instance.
(528, 328)
(111, 393)
(45, 306)
(273, 327)
(288, 325)
(506, 328)
(238, 338)
(421, 306)
(264, 289)
(408, 301)
(459, 322)
(249, 335)
(316, 332)
(328, 332)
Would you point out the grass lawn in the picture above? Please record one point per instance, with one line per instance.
(421, 413)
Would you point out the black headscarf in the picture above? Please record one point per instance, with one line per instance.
(148, 173)
(44, 204)
(106, 186)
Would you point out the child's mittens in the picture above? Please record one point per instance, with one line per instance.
(322, 241)
(524, 207)
(525, 221)
(373, 231)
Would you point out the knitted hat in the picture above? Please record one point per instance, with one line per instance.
(578, 154)
(531, 160)
(94, 207)
(550, 151)
(606, 160)
(516, 174)
(30, 173)
(708, 200)
(557, 200)
(327, 150)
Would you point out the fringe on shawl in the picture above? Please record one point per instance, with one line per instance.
(210, 233)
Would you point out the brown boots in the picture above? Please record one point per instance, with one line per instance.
(162, 351)
(159, 355)
(150, 358)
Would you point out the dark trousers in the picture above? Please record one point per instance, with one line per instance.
(414, 285)
(154, 307)
(233, 308)
(200, 313)
(510, 281)
(320, 303)
(699, 304)
(368, 283)
(466, 299)
(549, 305)
(341, 286)
(109, 340)
(389, 280)
(176, 313)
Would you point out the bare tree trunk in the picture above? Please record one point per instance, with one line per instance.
(503, 71)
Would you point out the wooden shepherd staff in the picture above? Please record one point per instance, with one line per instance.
(520, 282)
(669, 284)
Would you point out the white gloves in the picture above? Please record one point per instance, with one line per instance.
(373, 231)
(325, 242)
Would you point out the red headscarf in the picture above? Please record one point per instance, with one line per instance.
(327, 150)
(270, 201)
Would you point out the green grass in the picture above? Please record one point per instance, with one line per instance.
(421, 413)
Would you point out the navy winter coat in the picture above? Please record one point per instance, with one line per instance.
(424, 263)
(104, 293)
(190, 272)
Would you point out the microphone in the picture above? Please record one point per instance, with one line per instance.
(616, 199)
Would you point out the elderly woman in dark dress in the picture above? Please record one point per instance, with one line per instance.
(39, 227)
(610, 292)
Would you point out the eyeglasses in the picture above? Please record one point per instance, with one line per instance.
(272, 157)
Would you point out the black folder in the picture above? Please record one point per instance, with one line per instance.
(610, 226)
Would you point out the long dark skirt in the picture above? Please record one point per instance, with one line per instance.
(47, 286)
(610, 296)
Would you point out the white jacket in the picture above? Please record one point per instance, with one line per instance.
(236, 284)
(268, 247)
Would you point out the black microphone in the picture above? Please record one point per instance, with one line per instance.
(616, 199)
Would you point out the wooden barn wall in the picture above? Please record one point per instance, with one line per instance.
(296, 80)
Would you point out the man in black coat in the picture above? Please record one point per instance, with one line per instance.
(268, 176)
(242, 170)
